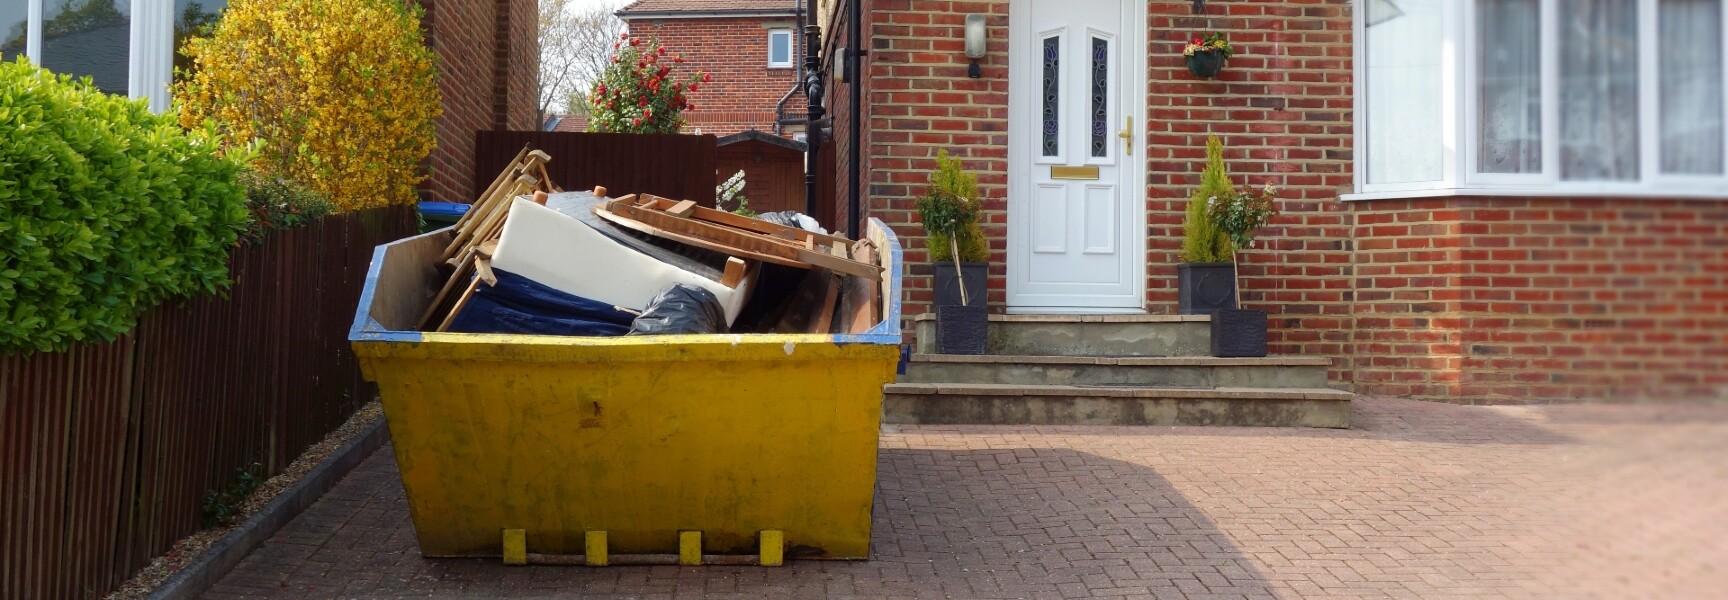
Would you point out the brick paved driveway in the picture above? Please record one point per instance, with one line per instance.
(1420, 501)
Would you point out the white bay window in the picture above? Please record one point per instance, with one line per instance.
(1541, 97)
(124, 46)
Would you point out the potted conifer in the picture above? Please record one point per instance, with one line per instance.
(1206, 278)
(950, 210)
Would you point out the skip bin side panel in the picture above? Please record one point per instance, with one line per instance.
(558, 439)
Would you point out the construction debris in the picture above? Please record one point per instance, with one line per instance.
(646, 265)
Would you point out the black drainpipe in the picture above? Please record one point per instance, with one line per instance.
(813, 106)
(855, 54)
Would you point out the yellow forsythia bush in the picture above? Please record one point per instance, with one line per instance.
(342, 93)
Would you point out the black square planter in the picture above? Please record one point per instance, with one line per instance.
(1239, 333)
(946, 283)
(1205, 288)
(962, 330)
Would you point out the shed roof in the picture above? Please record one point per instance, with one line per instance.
(760, 136)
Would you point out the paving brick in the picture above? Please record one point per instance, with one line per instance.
(1420, 500)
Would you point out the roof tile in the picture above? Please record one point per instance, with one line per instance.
(659, 6)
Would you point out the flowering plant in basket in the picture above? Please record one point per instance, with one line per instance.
(1213, 42)
(1205, 56)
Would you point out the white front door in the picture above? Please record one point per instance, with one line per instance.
(1076, 207)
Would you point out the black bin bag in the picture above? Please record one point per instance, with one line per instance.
(682, 308)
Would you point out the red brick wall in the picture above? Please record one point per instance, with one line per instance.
(921, 101)
(1456, 299)
(464, 34)
(743, 91)
(1530, 299)
(519, 45)
(838, 103)
(1282, 108)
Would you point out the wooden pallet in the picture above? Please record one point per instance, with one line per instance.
(735, 235)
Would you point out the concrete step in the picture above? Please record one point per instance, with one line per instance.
(1086, 335)
(1179, 371)
(1003, 404)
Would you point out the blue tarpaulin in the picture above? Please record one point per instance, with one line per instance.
(521, 305)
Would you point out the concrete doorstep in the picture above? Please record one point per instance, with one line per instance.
(221, 558)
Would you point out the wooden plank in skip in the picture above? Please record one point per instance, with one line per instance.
(859, 308)
(734, 273)
(697, 231)
(746, 223)
(682, 209)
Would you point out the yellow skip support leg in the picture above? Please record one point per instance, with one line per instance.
(594, 548)
(773, 548)
(690, 548)
(515, 547)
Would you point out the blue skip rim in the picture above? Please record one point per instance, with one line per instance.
(443, 209)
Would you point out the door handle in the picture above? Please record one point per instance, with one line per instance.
(1127, 135)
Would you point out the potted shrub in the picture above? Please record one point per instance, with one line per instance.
(1206, 55)
(1238, 216)
(950, 213)
(1206, 278)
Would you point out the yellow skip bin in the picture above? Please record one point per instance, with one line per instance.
(641, 438)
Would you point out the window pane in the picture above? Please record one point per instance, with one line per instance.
(1599, 90)
(780, 48)
(191, 18)
(1509, 47)
(1052, 74)
(88, 37)
(1100, 95)
(1691, 90)
(13, 28)
(1403, 80)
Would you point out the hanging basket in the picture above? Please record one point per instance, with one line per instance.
(1206, 64)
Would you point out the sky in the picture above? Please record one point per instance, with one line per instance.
(614, 4)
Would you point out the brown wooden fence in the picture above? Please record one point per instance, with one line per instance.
(107, 450)
(673, 166)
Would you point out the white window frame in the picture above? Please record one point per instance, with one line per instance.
(150, 52)
(791, 50)
(1459, 81)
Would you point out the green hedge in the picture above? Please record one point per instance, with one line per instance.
(105, 211)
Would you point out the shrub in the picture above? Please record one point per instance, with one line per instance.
(1240, 214)
(1202, 240)
(950, 212)
(731, 194)
(342, 93)
(276, 204)
(105, 210)
(638, 93)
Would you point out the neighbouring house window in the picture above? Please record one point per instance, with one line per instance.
(779, 47)
(123, 46)
(1597, 97)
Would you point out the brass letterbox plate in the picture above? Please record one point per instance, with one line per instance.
(1064, 172)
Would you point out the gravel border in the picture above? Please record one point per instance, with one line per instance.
(199, 561)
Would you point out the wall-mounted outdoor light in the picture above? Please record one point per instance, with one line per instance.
(974, 44)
